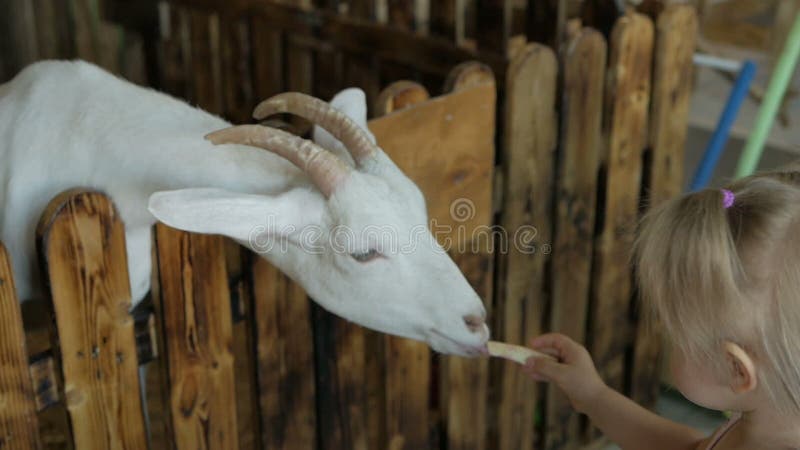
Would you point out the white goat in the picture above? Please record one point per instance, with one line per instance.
(70, 124)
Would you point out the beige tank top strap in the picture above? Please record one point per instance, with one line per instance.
(721, 432)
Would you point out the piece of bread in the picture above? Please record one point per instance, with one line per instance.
(515, 353)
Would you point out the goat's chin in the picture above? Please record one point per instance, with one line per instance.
(446, 346)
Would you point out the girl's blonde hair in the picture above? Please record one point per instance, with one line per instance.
(710, 274)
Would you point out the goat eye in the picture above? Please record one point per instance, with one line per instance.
(366, 256)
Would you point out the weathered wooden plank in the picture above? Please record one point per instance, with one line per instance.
(175, 50)
(453, 157)
(453, 136)
(237, 71)
(205, 61)
(83, 242)
(18, 424)
(268, 67)
(530, 139)
(285, 360)
(407, 363)
(443, 19)
(340, 401)
(494, 24)
(362, 71)
(195, 319)
(157, 390)
(18, 38)
(399, 95)
(582, 106)
(625, 128)
(54, 429)
(52, 28)
(244, 331)
(342, 364)
(300, 74)
(466, 380)
(466, 75)
(676, 36)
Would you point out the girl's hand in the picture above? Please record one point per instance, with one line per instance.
(574, 373)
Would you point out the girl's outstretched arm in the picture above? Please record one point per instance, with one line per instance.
(622, 420)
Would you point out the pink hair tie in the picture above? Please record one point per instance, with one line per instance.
(727, 198)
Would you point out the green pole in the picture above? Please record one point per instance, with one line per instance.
(772, 102)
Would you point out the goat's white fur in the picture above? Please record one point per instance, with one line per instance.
(71, 124)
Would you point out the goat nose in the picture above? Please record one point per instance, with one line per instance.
(474, 323)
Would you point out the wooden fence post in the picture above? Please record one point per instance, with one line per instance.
(407, 363)
(18, 424)
(195, 324)
(530, 140)
(581, 113)
(625, 128)
(467, 381)
(676, 35)
(284, 360)
(83, 242)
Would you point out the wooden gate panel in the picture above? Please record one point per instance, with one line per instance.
(83, 242)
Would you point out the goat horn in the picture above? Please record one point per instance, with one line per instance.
(339, 124)
(324, 169)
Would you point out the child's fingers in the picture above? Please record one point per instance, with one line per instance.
(531, 373)
(545, 368)
(556, 344)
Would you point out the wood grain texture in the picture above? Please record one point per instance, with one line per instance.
(83, 242)
(453, 158)
(54, 428)
(676, 36)
(581, 109)
(195, 319)
(237, 69)
(267, 43)
(494, 24)
(18, 424)
(407, 363)
(244, 344)
(205, 61)
(530, 140)
(625, 127)
(466, 380)
(399, 95)
(285, 360)
(468, 74)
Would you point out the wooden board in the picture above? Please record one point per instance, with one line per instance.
(195, 324)
(530, 139)
(494, 24)
(453, 139)
(582, 107)
(625, 128)
(285, 360)
(407, 363)
(267, 44)
(18, 424)
(205, 61)
(83, 241)
(676, 35)
(237, 70)
(466, 380)
(244, 346)
(398, 95)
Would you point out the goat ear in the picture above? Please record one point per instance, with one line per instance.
(352, 102)
(236, 215)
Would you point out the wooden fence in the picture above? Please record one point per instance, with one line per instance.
(589, 138)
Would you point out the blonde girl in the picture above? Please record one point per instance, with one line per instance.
(719, 271)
